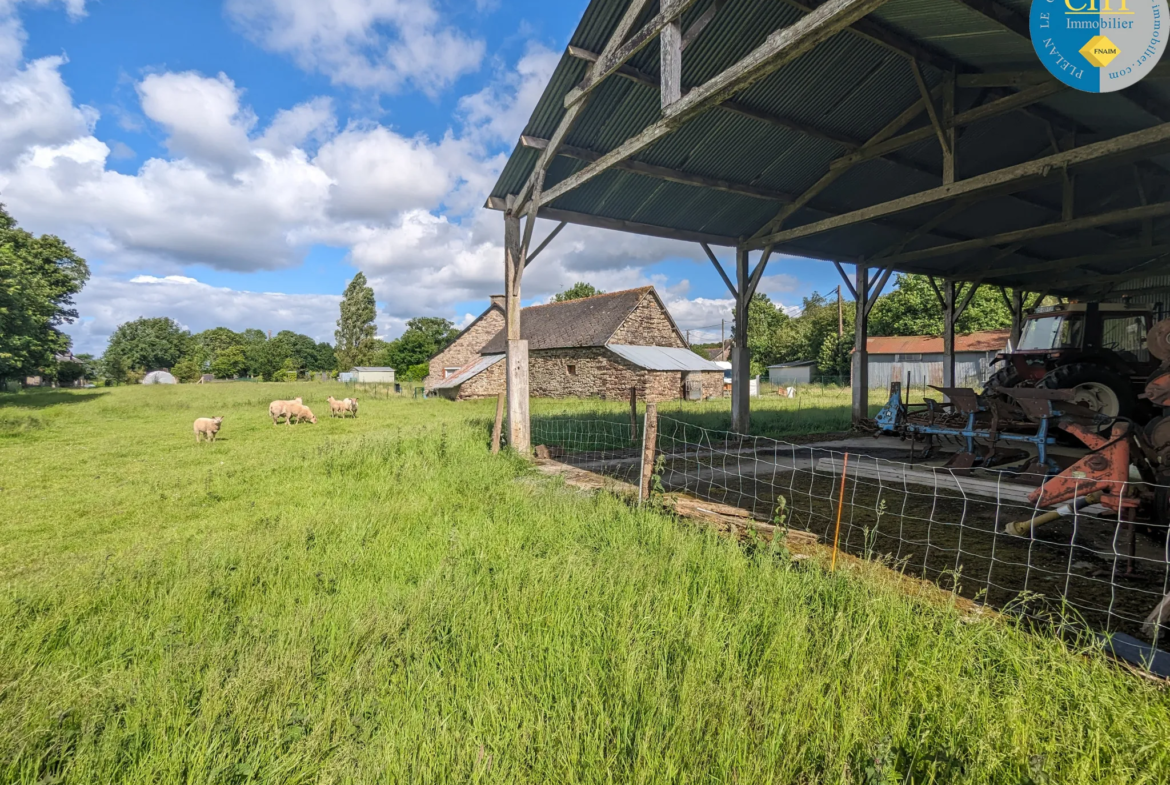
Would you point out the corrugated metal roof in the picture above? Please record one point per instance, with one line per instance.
(663, 358)
(988, 341)
(473, 368)
(849, 86)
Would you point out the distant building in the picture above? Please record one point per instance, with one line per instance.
(791, 374)
(159, 377)
(594, 347)
(373, 375)
(918, 359)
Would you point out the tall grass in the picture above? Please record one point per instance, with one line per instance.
(379, 600)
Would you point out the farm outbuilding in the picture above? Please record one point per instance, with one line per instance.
(159, 377)
(593, 347)
(793, 373)
(920, 359)
(373, 375)
(886, 135)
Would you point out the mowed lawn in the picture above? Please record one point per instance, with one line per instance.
(382, 601)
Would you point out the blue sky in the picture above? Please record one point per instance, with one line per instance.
(236, 162)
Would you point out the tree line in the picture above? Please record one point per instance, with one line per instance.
(911, 308)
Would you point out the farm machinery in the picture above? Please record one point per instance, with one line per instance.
(1013, 428)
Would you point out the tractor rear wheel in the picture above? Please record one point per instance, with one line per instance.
(1004, 377)
(1095, 387)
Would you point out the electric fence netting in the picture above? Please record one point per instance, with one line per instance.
(1082, 566)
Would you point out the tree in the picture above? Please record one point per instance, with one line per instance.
(38, 278)
(913, 309)
(355, 327)
(577, 291)
(114, 370)
(187, 370)
(764, 321)
(323, 358)
(149, 344)
(425, 336)
(229, 363)
(69, 371)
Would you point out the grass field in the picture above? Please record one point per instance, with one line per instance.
(381, 601)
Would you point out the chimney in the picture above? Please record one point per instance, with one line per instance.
(498, 300)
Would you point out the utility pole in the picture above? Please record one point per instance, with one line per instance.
(688, 337)
(723, 338)
(840, 315)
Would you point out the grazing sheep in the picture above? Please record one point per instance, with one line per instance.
(336, 407)
(351, 406)
(278, 409)
(207, 428)
(298, 412)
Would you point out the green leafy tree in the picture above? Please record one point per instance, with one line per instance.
(424, 337)
(802, 337)
(355, 327)
(323, 358)
(765, 320)
(187, 370)
(38, 278)
(415, 373)
(263, 357)
(229, 363)
(67, 372)
(90, 364)
(577, 291)
(912, 308)
(150, 344)
(114, 370)
(836, 354)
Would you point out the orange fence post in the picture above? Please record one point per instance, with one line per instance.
(840, 504)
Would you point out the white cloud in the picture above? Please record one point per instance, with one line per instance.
(370, 44)
(108, 301)
(240, 195)
(202, 116)
(502, 108)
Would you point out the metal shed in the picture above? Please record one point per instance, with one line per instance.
(888, 135)
(799, 372)
(373, 375)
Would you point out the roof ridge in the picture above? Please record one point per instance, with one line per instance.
(590, 297)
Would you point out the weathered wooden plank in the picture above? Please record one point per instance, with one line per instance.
(619, 225)
(664, 173)
(670, 49)
(781, 47)
(609, 62)
(1020, 175)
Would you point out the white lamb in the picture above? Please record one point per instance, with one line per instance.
(351, 406)
(207, 428)
(298, 412)
(336, 407)
(278, 409)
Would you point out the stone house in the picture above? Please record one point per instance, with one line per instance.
(595, 347)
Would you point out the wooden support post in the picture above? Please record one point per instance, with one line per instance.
(670, 62)
(1017, 308)
(950, 316)
(860, 380)
(741, 418)
(497, 429)
(649, 444)
(950, 134)
(516, 362)
(633, 413)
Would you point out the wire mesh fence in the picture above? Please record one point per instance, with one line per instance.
(1093, 567)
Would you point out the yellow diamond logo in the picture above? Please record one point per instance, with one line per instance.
(1100, 51)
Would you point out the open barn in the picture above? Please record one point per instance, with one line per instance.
(882, 136)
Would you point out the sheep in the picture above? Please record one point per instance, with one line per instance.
(207, 428)
(278, 409)
(300, 412)
(351, 406)
(336, 407)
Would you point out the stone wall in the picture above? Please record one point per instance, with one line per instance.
(648, 325)
(466, 347)
(586, 373)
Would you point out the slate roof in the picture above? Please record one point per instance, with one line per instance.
(590, 321)
(469, 371)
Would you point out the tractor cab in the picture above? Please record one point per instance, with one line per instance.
(1097, 349)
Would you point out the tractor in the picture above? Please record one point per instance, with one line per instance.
(1097, 350)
